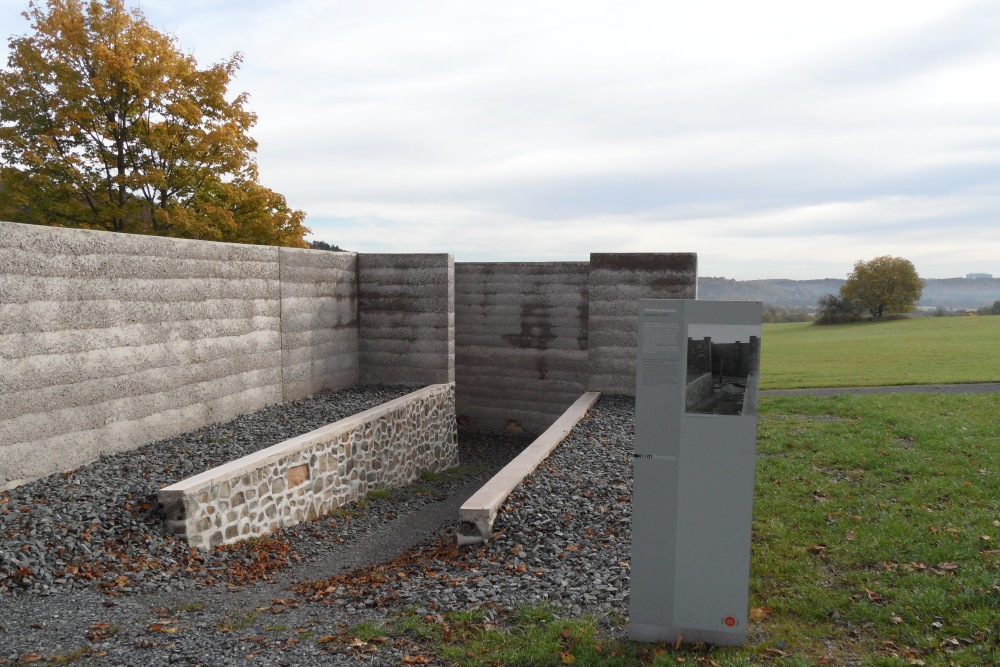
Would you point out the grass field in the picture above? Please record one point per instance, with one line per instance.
(929, 350)
(876, 542)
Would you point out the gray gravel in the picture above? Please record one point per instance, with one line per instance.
(562, 538)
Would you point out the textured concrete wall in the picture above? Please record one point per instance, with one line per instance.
(108, 341)
(319, 321)
(406, 319)
(617, 282)
(521, 333)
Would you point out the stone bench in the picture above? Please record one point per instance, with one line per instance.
(313, 474)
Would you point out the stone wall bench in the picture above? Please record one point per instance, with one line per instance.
(315, 473)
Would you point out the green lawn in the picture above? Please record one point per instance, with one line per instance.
(929, 350)
(876, 542)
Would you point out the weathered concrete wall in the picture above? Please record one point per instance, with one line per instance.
(317, 472)
(406, 318)
(617, 282)
(319, 321)
(699, 356)
(521, 333)
(108, 341)
(732, 359)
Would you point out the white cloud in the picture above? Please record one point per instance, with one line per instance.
(774, 138)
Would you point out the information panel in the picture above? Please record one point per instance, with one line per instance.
(697, 380)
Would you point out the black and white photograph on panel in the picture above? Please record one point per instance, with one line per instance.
(723, 369)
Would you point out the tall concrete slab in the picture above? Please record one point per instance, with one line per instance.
(616, 282)
(319, 321)
(521, 333)
(406, 318)
(108, 341)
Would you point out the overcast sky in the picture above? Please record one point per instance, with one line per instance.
(773, 138)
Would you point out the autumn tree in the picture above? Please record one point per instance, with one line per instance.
(106, 124)
(883, 286)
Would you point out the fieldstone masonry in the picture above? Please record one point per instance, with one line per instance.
(313, 474)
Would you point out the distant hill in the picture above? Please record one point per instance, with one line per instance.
(781, 292)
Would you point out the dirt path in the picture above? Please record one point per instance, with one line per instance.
(980, 388)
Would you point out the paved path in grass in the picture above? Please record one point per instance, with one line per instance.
(979, 388)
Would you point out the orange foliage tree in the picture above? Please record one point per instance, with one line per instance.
(106, 124)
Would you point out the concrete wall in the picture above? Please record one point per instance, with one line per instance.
(406, 319)
(617, 282)
(108, 341)
(533, 337)
(521, 333)
(699, 356)
(733, 359)
(319, 321)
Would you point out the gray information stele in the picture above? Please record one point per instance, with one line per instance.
(695, 441)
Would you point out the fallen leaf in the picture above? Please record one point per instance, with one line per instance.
(873, 596)
(326, 639)
(948, 567)
(567, 658)
(760, 613)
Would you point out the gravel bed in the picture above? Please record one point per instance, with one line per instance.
(563, 537)
(102, 521)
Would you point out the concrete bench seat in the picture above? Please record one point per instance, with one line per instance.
(480, 511)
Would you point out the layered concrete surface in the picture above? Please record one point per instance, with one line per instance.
(108, 341)
(406, 318)
(616, 283)
(319, 321)
(521, 332)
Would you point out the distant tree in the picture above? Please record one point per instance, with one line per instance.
(995, 308)
(106, 124)
(778, 315)
(323, 245)
(834, 309)
(989, 310)
(883, 286)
